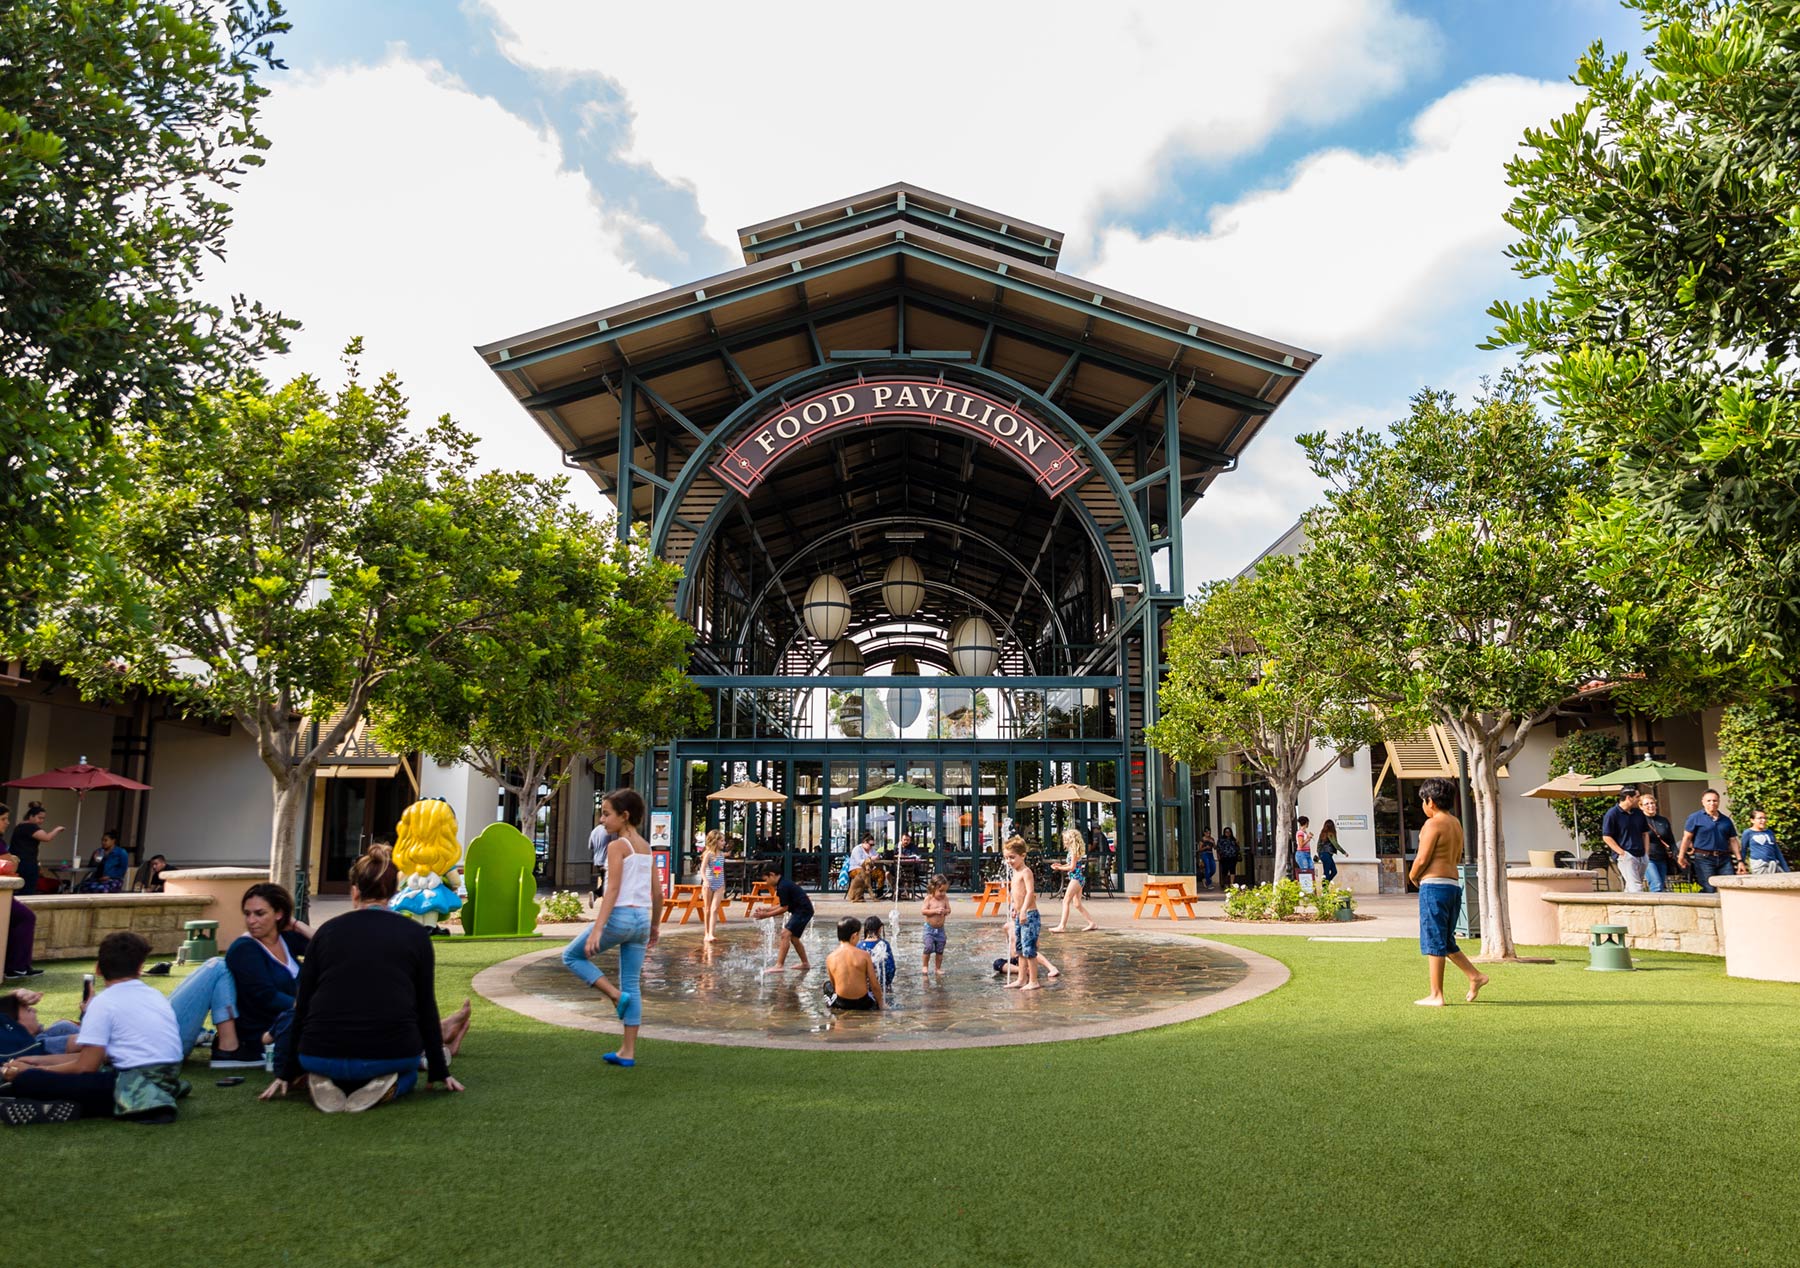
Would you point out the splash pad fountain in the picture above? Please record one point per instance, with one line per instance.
(1111, 981)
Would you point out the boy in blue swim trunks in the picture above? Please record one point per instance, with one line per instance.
(1440, 893)
(936, 910)
(794, 903)
(1027, 924)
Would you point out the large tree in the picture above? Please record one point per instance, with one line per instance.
(589, 658)
(1663, 216)
(285, 554)
(1454, 531)
(124, 124)
(1252, 672)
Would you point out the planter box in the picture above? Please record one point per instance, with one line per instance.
(70, 926)
(1762, 926)
(1653, 922)
(1534, 922)
(224, 887)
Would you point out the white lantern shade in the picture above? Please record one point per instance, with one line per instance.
(903, 586)
(974, 649)
(904, 666)
(826, 608)
(845, 660)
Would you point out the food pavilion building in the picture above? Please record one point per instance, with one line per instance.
(926, 492)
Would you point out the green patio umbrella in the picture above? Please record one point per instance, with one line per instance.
(899, 794)
(1650, 771)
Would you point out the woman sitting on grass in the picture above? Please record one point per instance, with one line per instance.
(248, 991)
(367, 1005)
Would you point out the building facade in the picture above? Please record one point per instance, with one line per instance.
(926, 493)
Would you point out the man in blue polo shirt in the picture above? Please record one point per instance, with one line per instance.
(1627, 835)
(1711, 839)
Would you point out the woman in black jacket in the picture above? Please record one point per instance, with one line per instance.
(367, 1006)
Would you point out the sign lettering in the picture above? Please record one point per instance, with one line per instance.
(758, 447)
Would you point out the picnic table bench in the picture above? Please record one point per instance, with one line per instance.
(759, 892)
(689, 900)
(1170, 898)
(993, 892)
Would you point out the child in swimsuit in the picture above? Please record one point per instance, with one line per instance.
(854, 984)
(935, 910)
(712, 875)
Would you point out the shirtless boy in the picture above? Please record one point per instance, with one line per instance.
(935, 910)
(1440, 894)
(1027, 924)
(855, 986)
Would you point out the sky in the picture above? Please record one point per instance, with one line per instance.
(1328, 173)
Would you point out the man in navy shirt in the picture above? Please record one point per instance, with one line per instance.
(1711, 839)
(1627, 835)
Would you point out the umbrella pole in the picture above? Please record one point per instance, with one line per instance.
(75, 837)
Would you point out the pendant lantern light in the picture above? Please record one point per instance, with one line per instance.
(974, 650)
(845, 661)
(826, 608)
(903, 586)
(904, 666)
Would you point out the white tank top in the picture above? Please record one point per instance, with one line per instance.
(634, 881)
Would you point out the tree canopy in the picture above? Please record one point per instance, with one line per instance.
(291, 552)
(1663, 216)
(123, 126)
(588, 657)
(1450, 534)
(1251, 671)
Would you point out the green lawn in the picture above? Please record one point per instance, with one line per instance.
(1572, 1117)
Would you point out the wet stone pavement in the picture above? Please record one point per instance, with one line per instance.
(1108, 981)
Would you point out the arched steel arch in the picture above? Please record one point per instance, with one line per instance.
(884, 521)
(978, 376)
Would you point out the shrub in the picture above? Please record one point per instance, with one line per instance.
(1284, 900)
(561, 908)
(1759, 754)
(1591, 753)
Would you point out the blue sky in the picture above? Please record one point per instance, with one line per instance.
(1322, 171)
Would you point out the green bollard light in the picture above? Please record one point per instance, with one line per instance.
(1607, 952)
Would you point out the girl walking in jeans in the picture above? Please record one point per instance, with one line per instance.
(628, 918)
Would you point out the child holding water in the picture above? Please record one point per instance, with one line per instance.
(935, 910)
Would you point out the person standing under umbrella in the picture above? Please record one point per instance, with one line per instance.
(1659, 863)
(26, 838)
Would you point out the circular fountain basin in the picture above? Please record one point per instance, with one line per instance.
(1109, 982)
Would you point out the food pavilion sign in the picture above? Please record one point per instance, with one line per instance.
(759, 447)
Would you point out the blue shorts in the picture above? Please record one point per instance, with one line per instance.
(935, 941)
(1440, 902)
(1029, 928)
(796, 923)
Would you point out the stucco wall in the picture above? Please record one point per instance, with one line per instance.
(212, 800)
(474, 797)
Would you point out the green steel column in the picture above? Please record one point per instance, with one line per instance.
(627, 452)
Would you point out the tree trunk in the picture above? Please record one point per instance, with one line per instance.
(291, 791)
(1287, 792)
(1484, 785)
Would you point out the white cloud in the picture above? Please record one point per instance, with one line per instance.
(400, 206)
(1053, 111)
(1356, 249)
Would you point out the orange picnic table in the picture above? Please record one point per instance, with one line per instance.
(760, 892)
(993, 892)
(1164, 898)
(689, 900)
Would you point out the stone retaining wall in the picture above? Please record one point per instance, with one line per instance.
(70, 926)
(1653, 922)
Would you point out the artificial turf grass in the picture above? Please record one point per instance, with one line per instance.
(1330, 1121)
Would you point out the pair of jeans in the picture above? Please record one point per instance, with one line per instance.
(208, 989)
(93, 1092)
(1330, 863)
(628, 928)
(1208, 865)
(361, 1069)
(19, 934)
(1658, 873)
(59, 1036)
(1707, 866)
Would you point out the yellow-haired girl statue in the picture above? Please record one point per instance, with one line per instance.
(428, 857)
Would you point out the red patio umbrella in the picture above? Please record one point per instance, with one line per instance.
(81, 779)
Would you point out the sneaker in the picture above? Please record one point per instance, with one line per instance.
(19, 1113)
(243, 1057)
(159, 969)
(377, 1091)
(208, 1039)
(327, 1096)
(13, 975)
